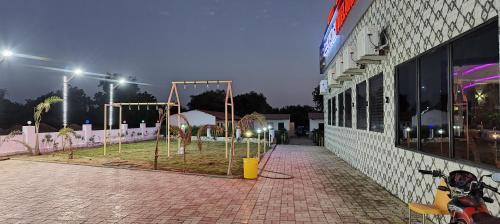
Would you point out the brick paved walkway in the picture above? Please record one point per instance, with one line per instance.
(325, 190)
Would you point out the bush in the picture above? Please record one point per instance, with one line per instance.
(281, 136)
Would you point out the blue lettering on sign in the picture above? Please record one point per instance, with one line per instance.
(330, 38)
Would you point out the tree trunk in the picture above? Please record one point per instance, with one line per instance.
(156, 148)
(37, 146)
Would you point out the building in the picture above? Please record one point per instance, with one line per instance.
(316, 121)
(413, 85)
(278, 121)
(203, 117)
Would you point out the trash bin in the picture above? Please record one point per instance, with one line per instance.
(250, 168)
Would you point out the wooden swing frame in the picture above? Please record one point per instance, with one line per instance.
(120, 106)
(229, 103)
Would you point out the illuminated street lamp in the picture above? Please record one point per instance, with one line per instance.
(441, 132)
(112, 87)
(6, 54)
(77, 72)
(264, 129)
(269, 127)
(248, 134)
(258, 143)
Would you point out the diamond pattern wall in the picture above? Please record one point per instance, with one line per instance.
(413, 28)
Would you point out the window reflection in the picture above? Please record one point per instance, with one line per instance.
(407, 105)
(476, 96)
(434, 136)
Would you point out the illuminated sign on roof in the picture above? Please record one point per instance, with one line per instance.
(342, 19)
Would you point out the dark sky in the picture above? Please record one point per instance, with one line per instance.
(269, 46)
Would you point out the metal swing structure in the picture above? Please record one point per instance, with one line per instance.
(120, 106)
(229, 115)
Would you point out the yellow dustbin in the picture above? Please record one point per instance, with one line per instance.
(250, 168)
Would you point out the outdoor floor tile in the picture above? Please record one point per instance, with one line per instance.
(324, 189)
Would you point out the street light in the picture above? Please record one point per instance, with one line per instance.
(270, 127)
(258, 143)
(248, 134)
(264, 134)
(76, 72)
(112, 87)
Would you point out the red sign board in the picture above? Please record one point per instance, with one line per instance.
(343, 9)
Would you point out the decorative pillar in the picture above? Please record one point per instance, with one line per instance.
(142, 127)
(238, 133)
(209, 134)
(87, 133)
(29, 135)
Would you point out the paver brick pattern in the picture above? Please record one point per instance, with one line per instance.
(324, 189)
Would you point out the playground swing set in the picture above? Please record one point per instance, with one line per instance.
(174, 101)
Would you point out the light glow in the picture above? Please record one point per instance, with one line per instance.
(111, 93)
(78, 71)
(248, 134)
(7, 53)
(65, 101)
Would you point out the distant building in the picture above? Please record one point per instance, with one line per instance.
(278, 121)
(203, 117)
(316, 121)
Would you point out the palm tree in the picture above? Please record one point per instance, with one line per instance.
(67, 134)
(41, 108)
(184, 134)
(217, 130)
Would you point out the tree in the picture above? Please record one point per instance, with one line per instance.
(41, 108)
(67, 135)
(210, 100)
(3, 92)
(248, 103)
(318, 99)
(129, 93)
(298, 114)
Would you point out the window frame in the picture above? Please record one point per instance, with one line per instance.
(451, 147)
(350, 106)
(341, 113)
(365, 120)
(334, 111)
(369, 114)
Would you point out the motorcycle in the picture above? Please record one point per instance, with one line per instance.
(468, 202)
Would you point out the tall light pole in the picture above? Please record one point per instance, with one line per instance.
(269, 127)
(76, 72)
(112, 87)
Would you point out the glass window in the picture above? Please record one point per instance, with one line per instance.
(281, 126)
(334, 111)
(341, 109)
(329, 111)
(407, 105)
(476, 96)
(376, 104)
(361, 105)
(348, 108)
(434, 102)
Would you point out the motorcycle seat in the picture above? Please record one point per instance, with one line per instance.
(426, 209)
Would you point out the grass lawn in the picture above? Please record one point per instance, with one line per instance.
(211, 160)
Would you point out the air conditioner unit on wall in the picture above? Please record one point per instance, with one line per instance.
(339, 65)
(330, 75)
(367, 46)
(350, 65)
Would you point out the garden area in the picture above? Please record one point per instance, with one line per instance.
(210, 160)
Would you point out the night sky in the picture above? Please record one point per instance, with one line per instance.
(269, 46)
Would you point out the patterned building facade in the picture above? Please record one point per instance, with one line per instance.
(413, 28)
